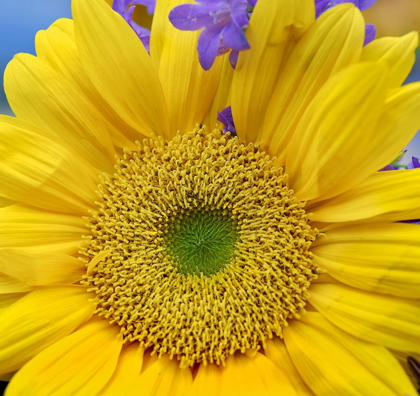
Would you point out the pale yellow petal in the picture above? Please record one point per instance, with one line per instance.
(386, 320)
(40, 95)
(333, 363)
(79, 364)
(270, 34)
(332, 43)
(207, 381)
(389, 196)
(397, 53)
(277, 352)
(336, 132)
(119, 66)
(126, 375)
(40, 172)
(57, 46)
(189, 90)
(254, 375)
(164, 377)
(22, 226)
(382, 258)
(38, 320)
(9, 285)
(36, 268)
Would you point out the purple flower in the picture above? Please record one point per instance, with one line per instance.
(225, 117)
(223, 23)
(323, 5)
(415, 163)
(126, 8)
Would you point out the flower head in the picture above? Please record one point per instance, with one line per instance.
(144, 249)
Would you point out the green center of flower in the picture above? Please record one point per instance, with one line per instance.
(201, 241)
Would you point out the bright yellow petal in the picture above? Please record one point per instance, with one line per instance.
(35, 268)
(397, 53)
(119, 66)
(39, 319)
(40, 95)
(189, 90)
(334, 363)
(332, 43)
(57, 46)
(382, 258)
(127, 372)
(222, 98)
(5, 202)
(164, 377)
(207, 381)
(386, 320)
(270, 35)
(6, 300)
(45, 232)
(336, 132)
(9, 285)
(389, 196)
(254, 375)
(277, 352)
(42, 173)
(79, 364)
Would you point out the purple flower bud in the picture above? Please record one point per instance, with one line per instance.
(415, 163)
(126, 8)
(225, 117)
(223, 24)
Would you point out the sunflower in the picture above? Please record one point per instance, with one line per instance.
(145, 251)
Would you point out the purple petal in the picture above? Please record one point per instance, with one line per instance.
(252, 3)
(239, 12)
(234, 37)
(321, 6)
(190, 17)
(225, 117)
(414, 163)
(233, 58)
(387, 168)
(370, 33)
(207, 46)
(365, 4)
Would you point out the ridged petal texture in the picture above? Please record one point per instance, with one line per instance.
(330, 110)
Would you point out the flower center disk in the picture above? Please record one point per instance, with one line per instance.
(204, 249)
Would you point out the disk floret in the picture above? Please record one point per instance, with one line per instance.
(204, 250)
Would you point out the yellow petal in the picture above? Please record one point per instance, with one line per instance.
(79, 364)
(127, 372)
(270, 35)
(382, 258)
(389, 196)
(222, 98)
(22, 226)
(6, 300)
(35, 268)
(40, 172)
(386, 320)
(189, 90)
(334, 363)
(119, 66)
(254, 375)
(336, 132)
(164, 377)
(332, 43)
(5, 202)
(397, 53)
(207, 381)
(40, 95)
(277, 352)
(39, 319)
(9, 285)
(57, 46)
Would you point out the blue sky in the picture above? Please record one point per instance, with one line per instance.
(21, 19)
